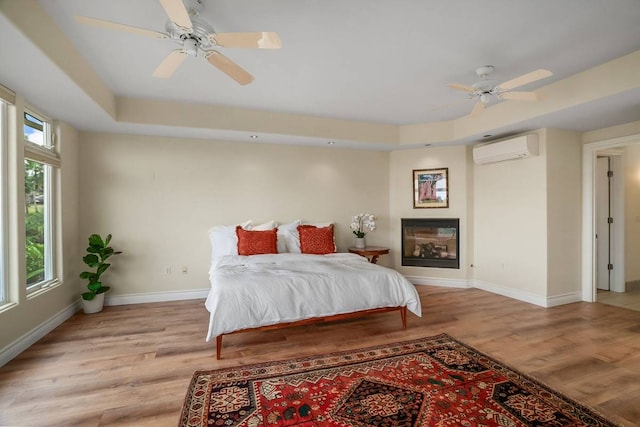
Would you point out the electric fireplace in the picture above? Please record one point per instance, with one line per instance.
(431, 242)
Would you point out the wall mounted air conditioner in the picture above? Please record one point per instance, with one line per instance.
(519, 147)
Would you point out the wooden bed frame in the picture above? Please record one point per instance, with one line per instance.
(403, 315)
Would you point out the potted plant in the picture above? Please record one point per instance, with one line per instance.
(98, 253)
(360, 223)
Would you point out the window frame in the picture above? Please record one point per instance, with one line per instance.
(47, 155)
(4, 202)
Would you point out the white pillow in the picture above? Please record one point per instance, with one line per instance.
(293, 238)
(269, 225)
(224, 240)
(288, 232)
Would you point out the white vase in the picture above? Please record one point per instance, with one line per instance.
(93, 306)
(361, 242)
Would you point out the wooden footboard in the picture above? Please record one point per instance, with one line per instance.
(403, 315)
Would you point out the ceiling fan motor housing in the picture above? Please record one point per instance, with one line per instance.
(199, 34)
(484, 86)
(486, 89)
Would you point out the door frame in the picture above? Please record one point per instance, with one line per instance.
(616, 211)
(604, 208)
(589, 154)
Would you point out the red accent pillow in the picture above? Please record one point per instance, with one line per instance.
(318, 241)
(257, 242)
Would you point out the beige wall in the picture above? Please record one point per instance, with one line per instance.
(632, 212)
(564, 201)
(73, 248)
(520, 220)
(527, 222)
(31, 313)
(159, 196)
(510, 224)
(626, 129)
(402, 164)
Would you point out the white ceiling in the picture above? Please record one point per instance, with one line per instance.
(367, 60)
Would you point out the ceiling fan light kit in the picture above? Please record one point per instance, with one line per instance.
(191, 47)
(193, 34)
(486, 89)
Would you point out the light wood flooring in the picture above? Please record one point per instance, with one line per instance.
(629, 299)
(131, 365)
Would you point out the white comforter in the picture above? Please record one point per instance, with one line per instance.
(260, 290)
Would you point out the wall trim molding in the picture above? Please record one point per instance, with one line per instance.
(156, 297)
(440, 281)
(527, 297)
(632, 285)
(512, 293)
(13, 349)
(563, 299)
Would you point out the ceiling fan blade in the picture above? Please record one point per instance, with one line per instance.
(170, 64)
(177, 13)
(259, 40)
(519, 96)
(120, 27)
(524, 79)
(478, 108)
(460, 86)
(229, 67)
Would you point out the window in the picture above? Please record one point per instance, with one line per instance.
(4, 204)
(40, 163)
(35, 130)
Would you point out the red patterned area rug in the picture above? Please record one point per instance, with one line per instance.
(435, 381)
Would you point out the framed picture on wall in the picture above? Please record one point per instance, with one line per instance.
(431, 188)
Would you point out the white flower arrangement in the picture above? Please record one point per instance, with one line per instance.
(362, 222)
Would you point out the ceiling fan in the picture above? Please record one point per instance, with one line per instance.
(485, 89)
(195, 37)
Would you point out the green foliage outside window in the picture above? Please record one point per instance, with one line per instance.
(34, 221)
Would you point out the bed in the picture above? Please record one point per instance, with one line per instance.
(269, 291)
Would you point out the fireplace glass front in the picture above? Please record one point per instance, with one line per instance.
(431, 242)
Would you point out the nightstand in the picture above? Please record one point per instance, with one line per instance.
(370, 252)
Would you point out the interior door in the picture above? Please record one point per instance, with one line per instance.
(603, 227)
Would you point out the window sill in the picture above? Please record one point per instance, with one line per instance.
(7, 306)
(44, 288)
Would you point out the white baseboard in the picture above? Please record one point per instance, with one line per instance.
(563, 299)
(156, 297)
(440, 281)
(542, 301)
(511, 293)
(13, 349)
